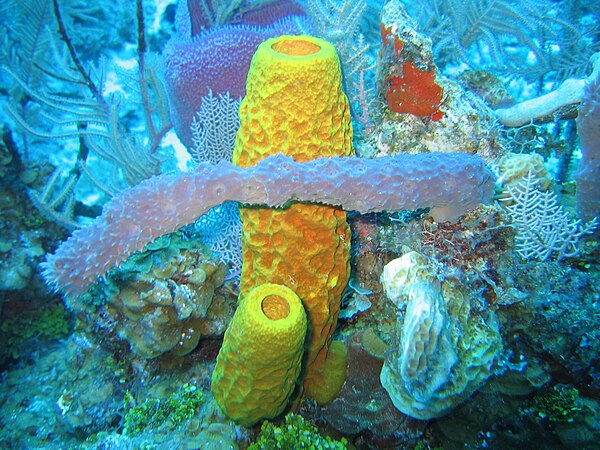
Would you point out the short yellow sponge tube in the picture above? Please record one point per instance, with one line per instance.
(261, 355)
(295, 105)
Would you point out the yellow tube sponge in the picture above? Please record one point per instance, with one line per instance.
(295, 105)
(261, 355)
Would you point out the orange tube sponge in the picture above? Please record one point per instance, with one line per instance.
(295, 105)
(261, 355)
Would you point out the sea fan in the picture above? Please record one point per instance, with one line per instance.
(543, 226)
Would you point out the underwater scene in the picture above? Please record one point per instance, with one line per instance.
(300, 224)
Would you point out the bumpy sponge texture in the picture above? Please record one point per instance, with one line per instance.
(451, 183)
(261, 355)
(295, 105)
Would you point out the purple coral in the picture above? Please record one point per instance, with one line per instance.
(198, 59)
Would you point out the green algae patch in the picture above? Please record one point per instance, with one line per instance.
(153, 413)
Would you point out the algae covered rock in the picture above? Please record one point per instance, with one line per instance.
(162, 299)
(423, 110)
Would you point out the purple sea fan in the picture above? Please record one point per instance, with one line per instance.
(199, 59)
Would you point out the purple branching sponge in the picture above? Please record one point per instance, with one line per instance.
(449, 183)
(199, 58)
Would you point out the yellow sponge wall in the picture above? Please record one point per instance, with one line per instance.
(295, 105)
(261, 355)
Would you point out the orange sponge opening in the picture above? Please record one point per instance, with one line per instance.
(296, 47)
(275, 307)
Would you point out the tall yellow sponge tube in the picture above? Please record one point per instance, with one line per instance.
(295, 105)
(261, 355)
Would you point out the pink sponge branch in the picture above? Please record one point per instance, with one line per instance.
(449, 183)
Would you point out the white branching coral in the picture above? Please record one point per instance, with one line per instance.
(339, 22)
(214, 127)
(213, 132)
(543, 227)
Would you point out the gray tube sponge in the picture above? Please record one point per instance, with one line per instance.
(588, 172)
(449, 183)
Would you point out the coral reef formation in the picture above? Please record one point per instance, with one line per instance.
(25, 234)
(160, 299)
(261, 355)
(304, 246)
(433, 343)
(19, 333)
(83, 397)
(445, 351)
(514, 167)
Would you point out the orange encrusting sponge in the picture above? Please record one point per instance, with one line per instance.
(295, 105)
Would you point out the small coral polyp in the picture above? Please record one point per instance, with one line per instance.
(304, 247)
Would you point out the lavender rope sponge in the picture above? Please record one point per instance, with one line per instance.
(449, 183)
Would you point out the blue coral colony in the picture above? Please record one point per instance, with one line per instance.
(416, 260)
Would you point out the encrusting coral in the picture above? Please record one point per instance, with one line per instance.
(303, 246)
(445, 351)
(161, 300)
(513, 167)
